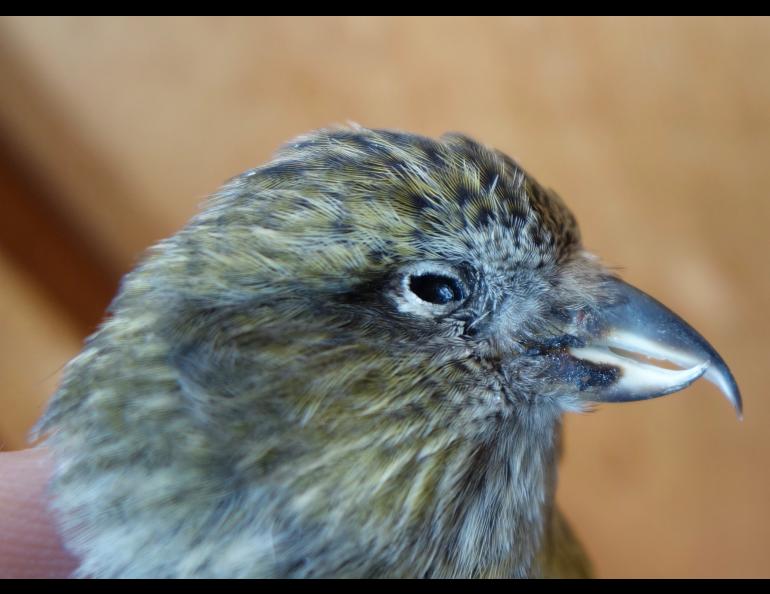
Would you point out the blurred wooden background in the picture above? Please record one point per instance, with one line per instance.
(656, 132)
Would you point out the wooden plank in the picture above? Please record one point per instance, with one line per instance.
(36, 340)
(65, 265)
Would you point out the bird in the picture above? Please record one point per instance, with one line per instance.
(354, 361)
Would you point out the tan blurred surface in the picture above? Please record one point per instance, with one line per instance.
(655, 131)
(35, 341)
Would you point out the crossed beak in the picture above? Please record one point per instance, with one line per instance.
(623, 345)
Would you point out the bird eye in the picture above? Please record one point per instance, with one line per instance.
(436, 288)
(430, 289)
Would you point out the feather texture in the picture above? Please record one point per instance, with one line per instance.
(269, 397)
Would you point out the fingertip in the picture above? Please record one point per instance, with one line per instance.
(30, 546)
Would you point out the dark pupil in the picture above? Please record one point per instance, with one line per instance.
(434, 288)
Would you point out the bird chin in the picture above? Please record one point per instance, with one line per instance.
(625, 348)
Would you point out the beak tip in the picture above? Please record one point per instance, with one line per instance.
(738, 406)
(737, 403)
(719, 374)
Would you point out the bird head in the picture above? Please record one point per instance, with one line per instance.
(372, 339)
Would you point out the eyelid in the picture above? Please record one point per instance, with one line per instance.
(408, 302)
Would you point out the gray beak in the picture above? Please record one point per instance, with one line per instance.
(621, 342)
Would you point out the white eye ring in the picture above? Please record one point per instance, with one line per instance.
(429, 289)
